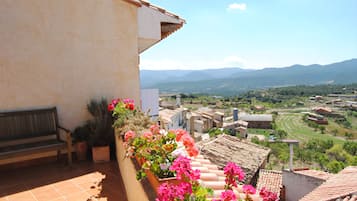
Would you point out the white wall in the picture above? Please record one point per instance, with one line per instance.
(298, 185)
(150, 101)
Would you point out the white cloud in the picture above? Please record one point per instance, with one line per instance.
(167, 64)
(237, 6)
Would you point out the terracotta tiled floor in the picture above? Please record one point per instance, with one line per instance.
(83, 181)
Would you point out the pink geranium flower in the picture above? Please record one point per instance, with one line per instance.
(155, 129)
(148, 135)
(129, 135)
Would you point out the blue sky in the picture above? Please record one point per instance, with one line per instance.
(254, 34)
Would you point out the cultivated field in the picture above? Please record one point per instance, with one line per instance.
(293, 124)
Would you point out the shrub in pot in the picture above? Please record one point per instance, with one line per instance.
(81, 135)
(101, 130)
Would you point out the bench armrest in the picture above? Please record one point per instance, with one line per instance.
(69, 143)
(65, 129)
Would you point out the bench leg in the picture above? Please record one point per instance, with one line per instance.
(58, 154)
(69, 149)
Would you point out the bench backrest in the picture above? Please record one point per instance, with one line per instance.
(28, 124)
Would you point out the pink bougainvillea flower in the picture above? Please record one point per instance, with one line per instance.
(233, 173)
(129, 135)
(228, 195)
(111, 107)
(249, 189)
(148, 135)
(155, 129)
(267, 195)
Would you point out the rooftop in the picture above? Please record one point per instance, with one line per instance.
(339, 186)
(214, 178)
(315, 173)
(271, 180)
(167, 114)
(226, 148)
(256, 117)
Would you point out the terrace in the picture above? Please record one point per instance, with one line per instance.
(84, 181)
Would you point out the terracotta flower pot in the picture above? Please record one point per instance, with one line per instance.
(81, 150)
(101, 154)
(156, 182)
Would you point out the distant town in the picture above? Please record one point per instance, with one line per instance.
(269, 132)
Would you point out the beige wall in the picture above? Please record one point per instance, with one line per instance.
(134, 189)
(62, 53)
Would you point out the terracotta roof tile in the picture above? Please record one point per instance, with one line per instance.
(336, 187)
(226, 148)
(315, 173)
(213, 178)
(271, 180)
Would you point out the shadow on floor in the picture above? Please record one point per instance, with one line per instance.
(82, 181)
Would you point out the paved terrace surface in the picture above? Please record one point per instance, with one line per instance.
(84, 181)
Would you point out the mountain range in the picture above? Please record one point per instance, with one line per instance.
(231, 81)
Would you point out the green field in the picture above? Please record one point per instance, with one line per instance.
(293, 124)
(265, 132)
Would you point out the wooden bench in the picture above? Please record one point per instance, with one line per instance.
(31, 132)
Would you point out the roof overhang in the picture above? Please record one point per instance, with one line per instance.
(155, 24)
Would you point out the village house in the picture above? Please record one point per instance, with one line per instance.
(319, 119)
(263, 121)
(250, 157)
(322, 110)
(342, 186)
(239, 126)
(258, 108)
(203, 120)
(173, 119)
(300, 182)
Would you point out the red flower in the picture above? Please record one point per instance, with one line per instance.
(130, 106)
(188, 141)
(179, 134)
(192, 151)
(111, 107)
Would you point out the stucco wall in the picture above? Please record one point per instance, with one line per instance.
(297, 185)
(63, 53)
(134, 189)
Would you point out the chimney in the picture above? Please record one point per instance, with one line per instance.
(235, 114)
(178, 100)
(291, 149)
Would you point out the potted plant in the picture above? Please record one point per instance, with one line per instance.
(156, 150)
(81, 135)
(102, 133)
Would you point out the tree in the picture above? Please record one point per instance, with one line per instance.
(348, 135)
(322, 129)
(335, 166)
(281, 134)
(350, 147)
